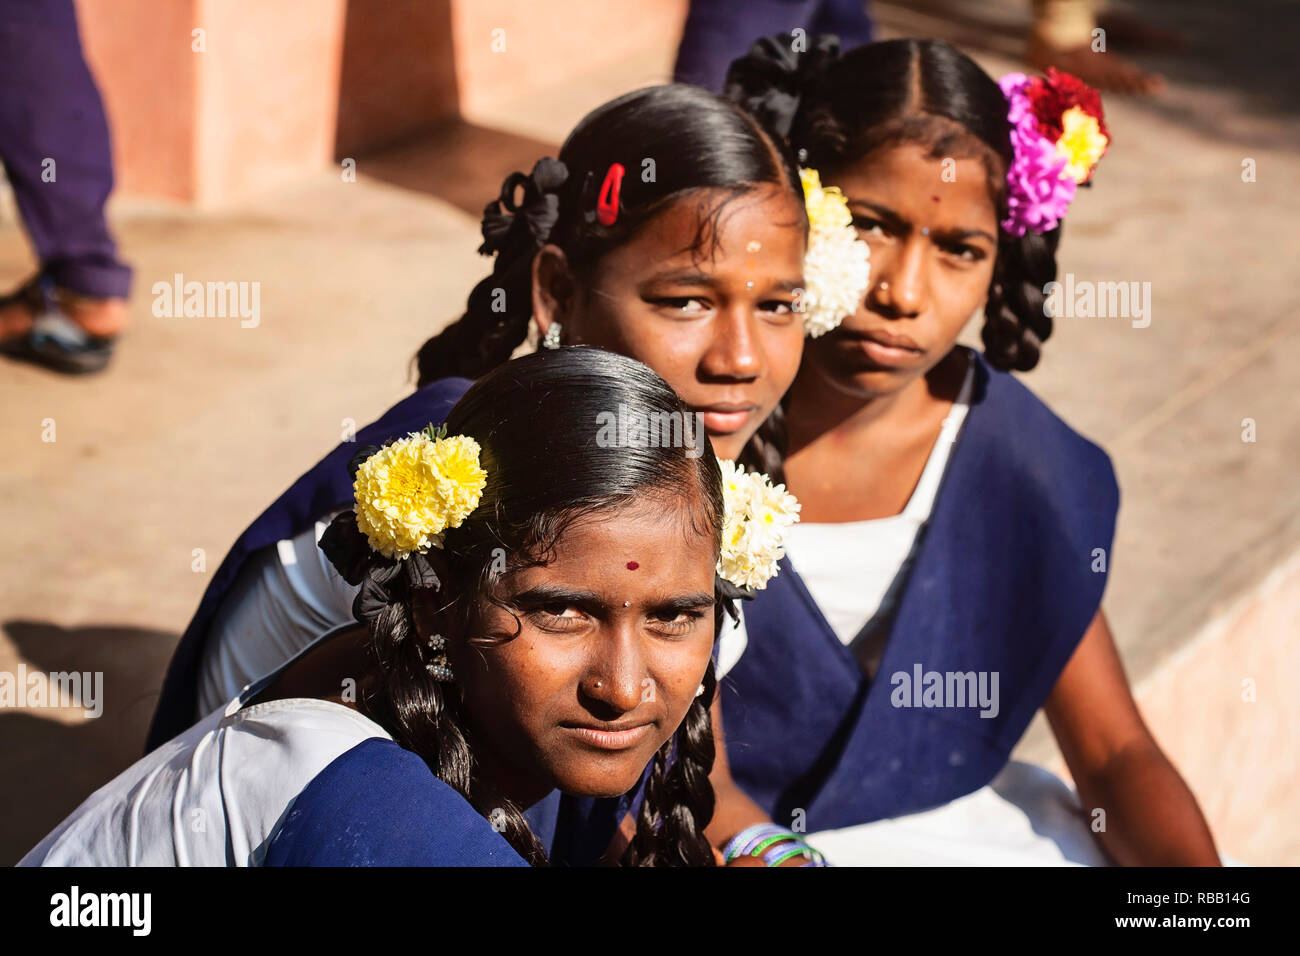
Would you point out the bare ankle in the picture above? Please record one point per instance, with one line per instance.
(101, 317)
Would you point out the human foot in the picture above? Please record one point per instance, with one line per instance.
(58, 329)
(103, 318)
(18, 310)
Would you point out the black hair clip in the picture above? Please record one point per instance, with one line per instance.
(771, 79)
(537, 212)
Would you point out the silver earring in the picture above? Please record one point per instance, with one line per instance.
(700, 692)
(551, 340)
(439, 668)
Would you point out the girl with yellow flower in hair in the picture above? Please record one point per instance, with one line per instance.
(540, 612)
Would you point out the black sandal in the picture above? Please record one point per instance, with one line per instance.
(54, 341)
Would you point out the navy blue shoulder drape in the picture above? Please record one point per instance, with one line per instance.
(1006, 578)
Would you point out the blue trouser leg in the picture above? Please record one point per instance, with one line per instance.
(719, 31)
(55, 148)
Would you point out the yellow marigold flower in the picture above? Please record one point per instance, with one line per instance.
(413, 489)
(827, 207)
(1082, 143)
(462, 479)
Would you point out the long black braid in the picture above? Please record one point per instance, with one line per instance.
(544, 471)
(427, 717)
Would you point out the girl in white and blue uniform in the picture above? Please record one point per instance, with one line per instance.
(503, 663)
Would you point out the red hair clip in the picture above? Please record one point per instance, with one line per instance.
(607, 202)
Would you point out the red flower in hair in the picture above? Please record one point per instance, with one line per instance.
(1052, 95)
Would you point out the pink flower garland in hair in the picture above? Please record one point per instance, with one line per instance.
(1058, 134)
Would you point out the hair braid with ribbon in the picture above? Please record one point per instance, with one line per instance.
(496, 316)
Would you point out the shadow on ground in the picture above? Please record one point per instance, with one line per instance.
(51, 764)
(460, 163)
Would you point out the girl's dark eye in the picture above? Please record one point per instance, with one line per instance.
(869, 226)
(686, 305)
(557, 616)
(777, 307)
(680, 622)
(965, 252)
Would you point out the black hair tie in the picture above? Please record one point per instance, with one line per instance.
(534, 217)
(771, 79)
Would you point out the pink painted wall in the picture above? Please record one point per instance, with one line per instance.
(139, 52)
(547, 41)
(267, 93)
(398, 77)
(282, 88)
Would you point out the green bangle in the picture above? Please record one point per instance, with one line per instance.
(770, 841)
(790, 854)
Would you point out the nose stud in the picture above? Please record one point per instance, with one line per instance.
(884, 286)
(597, 684)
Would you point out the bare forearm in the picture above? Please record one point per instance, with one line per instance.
(733, 811)
(1151, 817)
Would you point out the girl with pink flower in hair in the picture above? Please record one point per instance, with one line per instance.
(944, 583)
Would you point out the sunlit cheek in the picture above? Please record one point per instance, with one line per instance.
(516, 678)
(961, 297)
(784, 346)
(677, 677)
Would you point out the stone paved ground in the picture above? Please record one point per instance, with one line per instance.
(111, 531)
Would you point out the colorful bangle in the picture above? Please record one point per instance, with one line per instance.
(815, 857)
(772, 843)
(745, 842)
(778, 855)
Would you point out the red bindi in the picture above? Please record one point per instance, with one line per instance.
(934, 199)
(632, 565)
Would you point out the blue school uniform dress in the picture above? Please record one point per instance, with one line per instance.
(289, 782)
(1004, 578)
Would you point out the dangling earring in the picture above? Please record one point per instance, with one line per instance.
(439, 667)
(551, 340)
(700, 692)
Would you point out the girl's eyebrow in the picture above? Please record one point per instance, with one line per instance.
(884, 212)
(695, 278)
(899, 224)
(554, 594)
(685, 602)
(590, 600)
(684, 277)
